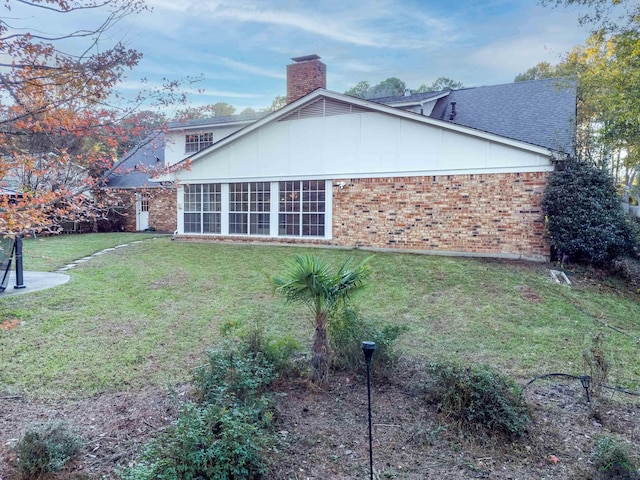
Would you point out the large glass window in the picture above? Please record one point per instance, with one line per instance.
(302, 208)
(195, 142)
(249, 208)
(202, 208)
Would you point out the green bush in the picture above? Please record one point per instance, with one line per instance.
(47, 448)
(480, 398)
(278, 352)
(232, 373)
(207, 441)
(348, 330)
(227, 434)
(584, 216)
(612, 460)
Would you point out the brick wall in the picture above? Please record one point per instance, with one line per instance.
(477, 214)
(162, 209)
(304, 77)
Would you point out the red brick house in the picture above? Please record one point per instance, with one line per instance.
(456, 172)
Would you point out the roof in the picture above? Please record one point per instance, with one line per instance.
(136, 168)
(413, 98)
(539, 112)
(212, 121)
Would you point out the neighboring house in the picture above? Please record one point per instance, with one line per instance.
(454, 172)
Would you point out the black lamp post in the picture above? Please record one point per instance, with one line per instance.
(585, 380)
(368, 349)
(19, 273)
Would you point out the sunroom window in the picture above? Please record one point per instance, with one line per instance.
(249, 208)
(302, 208)
(202, 208)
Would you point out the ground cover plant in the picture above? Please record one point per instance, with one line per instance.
(124, 334)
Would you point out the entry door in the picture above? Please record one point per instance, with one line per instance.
(142, 212)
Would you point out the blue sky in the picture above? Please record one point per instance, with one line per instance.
(242, 47)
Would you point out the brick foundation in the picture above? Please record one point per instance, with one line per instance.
(490, 214)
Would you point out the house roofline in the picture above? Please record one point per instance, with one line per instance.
(367, 104)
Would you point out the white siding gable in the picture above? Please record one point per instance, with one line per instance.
(327, 144)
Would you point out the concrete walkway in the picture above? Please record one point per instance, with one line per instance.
(33, 282)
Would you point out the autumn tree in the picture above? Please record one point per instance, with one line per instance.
(58, 131)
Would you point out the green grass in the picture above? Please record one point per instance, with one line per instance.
(48, 253)
(144, 315)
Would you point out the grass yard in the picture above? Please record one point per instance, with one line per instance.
(143, 315)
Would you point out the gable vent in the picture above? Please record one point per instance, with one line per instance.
(324, 107)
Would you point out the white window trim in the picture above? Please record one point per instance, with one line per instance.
(273, 218)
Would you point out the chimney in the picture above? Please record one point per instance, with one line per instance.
(304, 76)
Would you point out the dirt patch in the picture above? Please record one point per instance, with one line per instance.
(325, 433)
(528, 293)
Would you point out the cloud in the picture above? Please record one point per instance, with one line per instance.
(380, 25)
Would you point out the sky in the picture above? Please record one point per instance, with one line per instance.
(240, 48)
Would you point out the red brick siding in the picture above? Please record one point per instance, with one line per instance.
(162, 209)
(304, 78)
(479, 214)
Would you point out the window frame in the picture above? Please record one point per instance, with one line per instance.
(254, 209)
(194, 142)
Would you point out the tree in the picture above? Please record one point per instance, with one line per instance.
(390, 87)
(359, 90)
(309, 280)
(220, 109)
(541, 71)
(57, 130)
(278, 102)
(584, 217)
(439, 84)
(605, 15)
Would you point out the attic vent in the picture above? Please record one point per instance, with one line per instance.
(324, 107)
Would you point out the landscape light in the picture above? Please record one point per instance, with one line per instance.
(368, 348)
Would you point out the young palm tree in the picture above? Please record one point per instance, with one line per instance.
(310, 280)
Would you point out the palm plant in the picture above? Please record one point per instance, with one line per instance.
(310, 280)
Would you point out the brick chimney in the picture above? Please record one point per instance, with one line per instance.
(304, 76)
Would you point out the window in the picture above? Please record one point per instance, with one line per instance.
(249, 208)
(302, 208)
(197, 141)
(289, 208)
(202, 208)
(144, 204)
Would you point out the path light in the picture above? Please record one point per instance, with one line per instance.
(585, 380)
(368, 349)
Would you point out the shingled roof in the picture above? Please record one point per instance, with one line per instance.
(539, 112)
(136, 168)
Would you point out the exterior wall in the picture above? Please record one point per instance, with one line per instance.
(358, 145)
(162, 208)
(483, 215)
(494, 215)
(175, 141)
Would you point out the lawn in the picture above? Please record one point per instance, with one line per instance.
(143, 315)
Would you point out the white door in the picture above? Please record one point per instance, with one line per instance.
(142, 212)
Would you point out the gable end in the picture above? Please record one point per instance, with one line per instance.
(324, 107)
